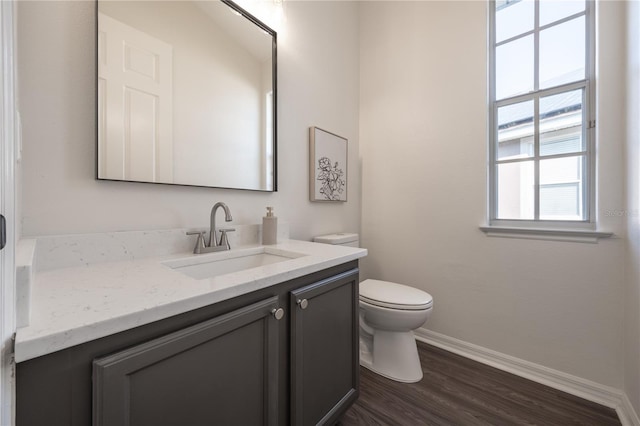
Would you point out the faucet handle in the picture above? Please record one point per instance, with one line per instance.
(199, 241)
(224, 239)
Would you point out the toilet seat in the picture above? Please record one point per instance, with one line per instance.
(390, 295)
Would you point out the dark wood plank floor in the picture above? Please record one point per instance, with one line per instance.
(458, 391)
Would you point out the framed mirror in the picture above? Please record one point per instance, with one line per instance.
(186, 94)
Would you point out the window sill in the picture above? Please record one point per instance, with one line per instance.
(568, 235)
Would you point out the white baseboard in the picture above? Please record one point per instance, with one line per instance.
(586, 389)
(628, 416)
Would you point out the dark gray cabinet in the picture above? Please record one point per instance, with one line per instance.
(229, 363)
(222, 371)
(324, 349)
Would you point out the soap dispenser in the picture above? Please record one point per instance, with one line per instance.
(269, 228)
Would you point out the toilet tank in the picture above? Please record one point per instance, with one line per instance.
(341, 239)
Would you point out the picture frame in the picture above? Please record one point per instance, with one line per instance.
(328, 159)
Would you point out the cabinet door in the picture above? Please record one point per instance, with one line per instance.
(219, 372)
(324, 349)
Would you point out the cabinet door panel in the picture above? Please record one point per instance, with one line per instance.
(221, 371)
(324, 349)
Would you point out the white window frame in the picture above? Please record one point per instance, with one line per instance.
(588, 85)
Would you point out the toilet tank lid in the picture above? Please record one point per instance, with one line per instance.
(339, 238)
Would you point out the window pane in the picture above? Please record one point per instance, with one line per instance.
(515, 131)
(560, 202)
(513, 18)
(561, 188)
(554, 10)
(514, 68)
(562, 53)
(561, 123)
(515, 190)
(560, 170)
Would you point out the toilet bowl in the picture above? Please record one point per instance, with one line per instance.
(389, 312)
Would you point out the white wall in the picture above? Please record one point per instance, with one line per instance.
(423, 133)
(318, 86)
(632, 295)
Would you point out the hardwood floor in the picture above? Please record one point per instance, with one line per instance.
(458, 391)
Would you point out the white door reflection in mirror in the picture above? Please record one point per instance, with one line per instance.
(135, 89)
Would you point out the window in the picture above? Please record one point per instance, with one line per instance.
(541, 116)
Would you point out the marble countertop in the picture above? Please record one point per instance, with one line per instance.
(80, 303)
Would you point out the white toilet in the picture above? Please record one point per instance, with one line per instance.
(389, 313)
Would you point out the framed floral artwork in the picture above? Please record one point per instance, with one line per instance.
(327, 166)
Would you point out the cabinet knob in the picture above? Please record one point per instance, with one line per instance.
(278, 313)
(303, 303)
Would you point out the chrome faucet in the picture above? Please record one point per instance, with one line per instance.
(214, 244)
(212, 231)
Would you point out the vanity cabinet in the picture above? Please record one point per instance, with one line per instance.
(282, 355)
(222, 371)
(324, 350)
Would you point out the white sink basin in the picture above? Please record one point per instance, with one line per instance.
(214, 264)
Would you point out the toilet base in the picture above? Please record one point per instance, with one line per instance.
(392, 354)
